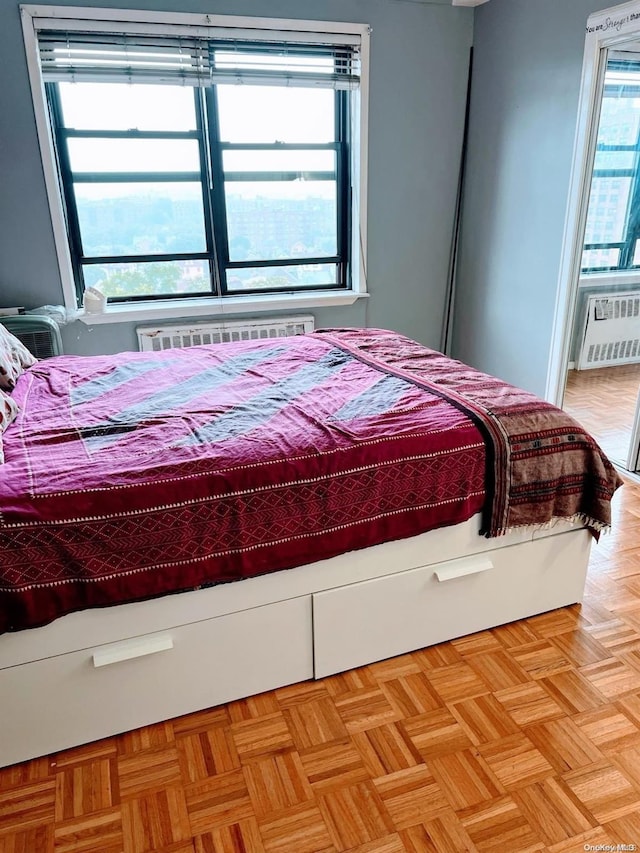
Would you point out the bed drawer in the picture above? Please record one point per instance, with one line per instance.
(162, 675)
(391, 615)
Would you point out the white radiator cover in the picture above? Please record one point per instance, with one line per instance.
(612, 331)
(156, 338)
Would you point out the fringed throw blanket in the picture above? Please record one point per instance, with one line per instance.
(542, 465)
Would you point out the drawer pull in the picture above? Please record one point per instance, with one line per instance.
(460, 568)
(136, 648)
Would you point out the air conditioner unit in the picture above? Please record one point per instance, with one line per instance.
(40, 335)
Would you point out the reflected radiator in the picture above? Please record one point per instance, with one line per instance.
(611, 332)
(156, 338)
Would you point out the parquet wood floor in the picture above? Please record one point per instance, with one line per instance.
(603, 400)
(522, 739)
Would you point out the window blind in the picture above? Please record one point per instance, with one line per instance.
(91, 56)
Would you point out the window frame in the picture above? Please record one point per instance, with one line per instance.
(60, 135)
(220, 219)
(353, 156)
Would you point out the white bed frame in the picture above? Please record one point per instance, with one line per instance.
(93, 674)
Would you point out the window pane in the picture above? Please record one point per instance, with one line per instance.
(292, 277)
(127, 106)
(619, 121)
(608, 202)
(275, 114)
(238, 60)
(279, 161)
(615, 160)
(140, 219)
(600, 258)
(271, 220)
(134, 155)
(155, 278)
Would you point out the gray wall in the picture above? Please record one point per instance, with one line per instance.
(419, 58)
(526, 82)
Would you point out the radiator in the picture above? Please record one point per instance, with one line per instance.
(156, 338)
(612, 331)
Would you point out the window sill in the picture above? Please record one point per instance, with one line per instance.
(215, 307)
(607, 279)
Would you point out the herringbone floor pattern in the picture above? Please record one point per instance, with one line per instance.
(523, 738)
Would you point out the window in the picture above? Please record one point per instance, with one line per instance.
(612, 235)
(209, 162)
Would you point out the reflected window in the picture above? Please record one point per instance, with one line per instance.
(612, 234)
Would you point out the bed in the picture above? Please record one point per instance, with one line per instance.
(319, 502)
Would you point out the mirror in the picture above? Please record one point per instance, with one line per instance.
(603, 374)
(595, 363)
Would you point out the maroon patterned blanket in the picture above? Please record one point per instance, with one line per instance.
(135, 475)
(542, 465)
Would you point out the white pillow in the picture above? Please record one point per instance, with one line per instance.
(14, 358)
(8, 412)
